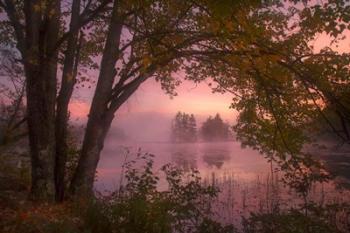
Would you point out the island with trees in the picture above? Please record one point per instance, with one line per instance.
(184, 129)
(215, 129)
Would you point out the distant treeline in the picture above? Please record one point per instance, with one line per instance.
(184, 129)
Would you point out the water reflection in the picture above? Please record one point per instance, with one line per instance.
(243, 175)
(185, 160)
(215, 158)
(185, 156)
(220, 159)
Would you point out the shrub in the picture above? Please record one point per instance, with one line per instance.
(292, 221)
(138, 206)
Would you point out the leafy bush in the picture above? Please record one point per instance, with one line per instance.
(317, 219)
(138, 206)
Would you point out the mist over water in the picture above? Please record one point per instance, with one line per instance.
(150, 132)
(149, 126)
(248, 182)
(219, 158)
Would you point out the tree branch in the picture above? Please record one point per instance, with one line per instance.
(10, 10)
(85, 17)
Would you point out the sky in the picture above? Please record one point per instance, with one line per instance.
(192, 98)
(147, 114)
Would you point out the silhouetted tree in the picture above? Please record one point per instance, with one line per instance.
(184, 128)
(192, 128)
(214, 129)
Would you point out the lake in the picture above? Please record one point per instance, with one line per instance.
(248, 182)
(219, 158)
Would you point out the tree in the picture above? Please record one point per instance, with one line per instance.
(184, 128)
(214, 129)
(176, 128)
(69, 73)
(36, 38)
(284, 85)
(192, 128)
(12, 93)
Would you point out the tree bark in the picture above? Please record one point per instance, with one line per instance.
(96, 131)
(40, 65)
(99, 118)
(95, 134)
(67, 85)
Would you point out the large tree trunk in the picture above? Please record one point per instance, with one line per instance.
(40, 63)
(67, 85)
(99, 119)
(97, 128)
(95, 134)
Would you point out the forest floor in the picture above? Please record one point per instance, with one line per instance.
(17, 213)
(14, 183)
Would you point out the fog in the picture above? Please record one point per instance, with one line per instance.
(148, 126)
(147, 115)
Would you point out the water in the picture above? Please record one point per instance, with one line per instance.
(220, 159)
(248, 182)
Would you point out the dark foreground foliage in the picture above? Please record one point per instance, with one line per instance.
(316, 220)
(184, 205)
(136, 207)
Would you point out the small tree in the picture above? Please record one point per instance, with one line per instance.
(184, 128)
(192, 128)
(214, 129)
(175, 127)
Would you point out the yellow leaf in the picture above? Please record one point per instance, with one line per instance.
(146, 61)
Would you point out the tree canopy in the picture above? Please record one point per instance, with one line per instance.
(184, 128)
(215, 129)
(279, 82)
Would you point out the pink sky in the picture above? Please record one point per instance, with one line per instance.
(147, 115)
(192, 98)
